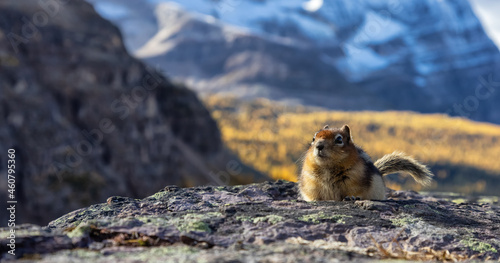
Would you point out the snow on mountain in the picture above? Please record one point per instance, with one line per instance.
(378, 29)
(312, 5)
(257, 16)
(434, 50)
(368, 22)
(487, 11)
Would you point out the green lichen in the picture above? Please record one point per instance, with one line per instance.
(194, 222)
(62, 220)
(272, 219)
(488, 200)
(196, 226)
(318, 217)
(81, 230)
(459, 200)
(410, 206)
(404, 221)
(159, 195)
(244, 218)
(478, 246)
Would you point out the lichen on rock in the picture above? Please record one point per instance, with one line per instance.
(264, 222)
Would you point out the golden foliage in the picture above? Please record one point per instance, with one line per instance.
(272, 138)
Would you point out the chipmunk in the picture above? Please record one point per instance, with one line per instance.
(335, 168)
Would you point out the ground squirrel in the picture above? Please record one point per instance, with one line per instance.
(335, 168)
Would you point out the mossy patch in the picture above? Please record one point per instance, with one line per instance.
(159, 195)
(488, 200)
(195, 222)
(478, 245)
(220, 188)
(271, 219)
(410, 206)
(244, 218)
(459, 200)
(81, 230)
(404, 221)
(196, 226)
(74, 218)
(318, 217)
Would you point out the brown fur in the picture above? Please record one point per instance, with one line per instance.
(398, 161)
(335, 168)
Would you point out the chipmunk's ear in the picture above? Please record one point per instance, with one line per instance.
(347, 130)
(326, 127)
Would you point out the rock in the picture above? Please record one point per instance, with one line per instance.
(88, 121)
(263, 222)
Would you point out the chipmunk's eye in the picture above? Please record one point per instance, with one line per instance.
(338, 139)
(314, 138)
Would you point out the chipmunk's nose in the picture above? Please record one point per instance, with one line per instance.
(320, 146)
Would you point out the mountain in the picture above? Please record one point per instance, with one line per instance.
(427, 56)
(87, 120)
(486, 11)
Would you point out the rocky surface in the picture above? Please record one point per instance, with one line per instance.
(261, 223)
(88, 121)
(427, 56)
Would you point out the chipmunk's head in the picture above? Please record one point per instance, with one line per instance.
(332, 145)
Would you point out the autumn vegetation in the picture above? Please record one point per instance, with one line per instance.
(463, 154)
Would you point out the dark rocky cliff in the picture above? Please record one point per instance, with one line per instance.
(264, 223)
(88, 121)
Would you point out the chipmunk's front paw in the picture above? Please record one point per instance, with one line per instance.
(352, 198)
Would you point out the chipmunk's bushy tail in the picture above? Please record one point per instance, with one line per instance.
(400, 162)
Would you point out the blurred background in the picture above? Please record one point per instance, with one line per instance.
(113, 97)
